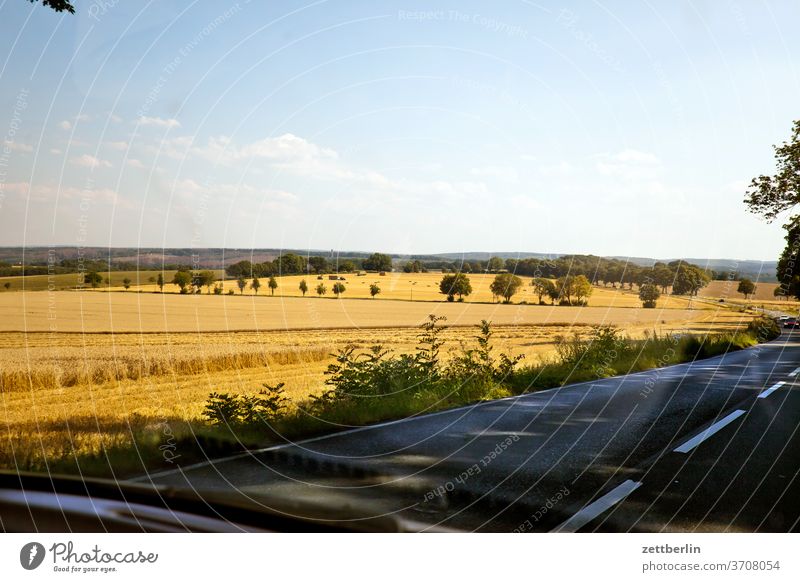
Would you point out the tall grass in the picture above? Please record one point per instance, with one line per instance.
(134, 367)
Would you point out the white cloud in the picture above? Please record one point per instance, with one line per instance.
(504, 173)
(55, 151)
(87, 161)
(561, 168)
(636, 157)
(15, 188)
(524, 202)
(116, 118)
(67, 124)
(47, 192)
(299, 157)
(159, 122)
(629, 165)
(287, 150)
(117, 145)
(288, 153)
(18, 147)
(134, 163)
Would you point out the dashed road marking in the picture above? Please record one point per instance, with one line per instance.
(714, 428)
(794, 372)
(771, 389)
(595, 508)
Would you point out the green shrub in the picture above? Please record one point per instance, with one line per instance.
(604, 346)
(376, 385)
(764, 328)
(223, 409)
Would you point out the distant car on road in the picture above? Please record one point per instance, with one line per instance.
(790, 323)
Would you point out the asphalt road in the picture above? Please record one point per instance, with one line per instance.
(711, 445)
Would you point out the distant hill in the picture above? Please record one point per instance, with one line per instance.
(756, 270)
(218, 258)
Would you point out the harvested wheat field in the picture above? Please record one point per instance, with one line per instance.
(85, 373)
(727, 290)
(88, 311)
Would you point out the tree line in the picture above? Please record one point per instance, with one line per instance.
(294, 264)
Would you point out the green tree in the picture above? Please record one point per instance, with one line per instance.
(746, 287)
(93, 279)
(241, 282)
(581, 289)
(689, 279)
(240, 269)
(338, 289)
(788, 271)
(321, 289)
(160, 282)
(303, 287)
(378, 262)
(58, 5)
(495, 264)
(505, 285)
(663, 277)
(455, 284)
(7, 285)
(413, 267)
(126, 283)
(182, 279)
(290, 264)
(255, 285)
(771, 196)
(573, 289)
(347, 267)
(205, 279)
(541, 287)
(374, 289)
(318, 264)
(649, 294)
(272, 284)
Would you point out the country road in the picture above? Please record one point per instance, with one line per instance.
(710, 445)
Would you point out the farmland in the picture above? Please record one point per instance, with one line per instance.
(91, 372)
(64, 281)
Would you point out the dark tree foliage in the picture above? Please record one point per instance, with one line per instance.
(58, 5)
(769, 196)
(378, 262)
(788, 270)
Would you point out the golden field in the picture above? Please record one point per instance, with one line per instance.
(408, 287)
(121, 312)
(84, 372)
(763, 297)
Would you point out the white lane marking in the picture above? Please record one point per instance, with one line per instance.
(794, 372)
(717, 426)
(771, 389)
(594, 509)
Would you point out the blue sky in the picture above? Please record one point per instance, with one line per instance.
(615, 128)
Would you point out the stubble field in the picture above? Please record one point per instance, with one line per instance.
(86, 373)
